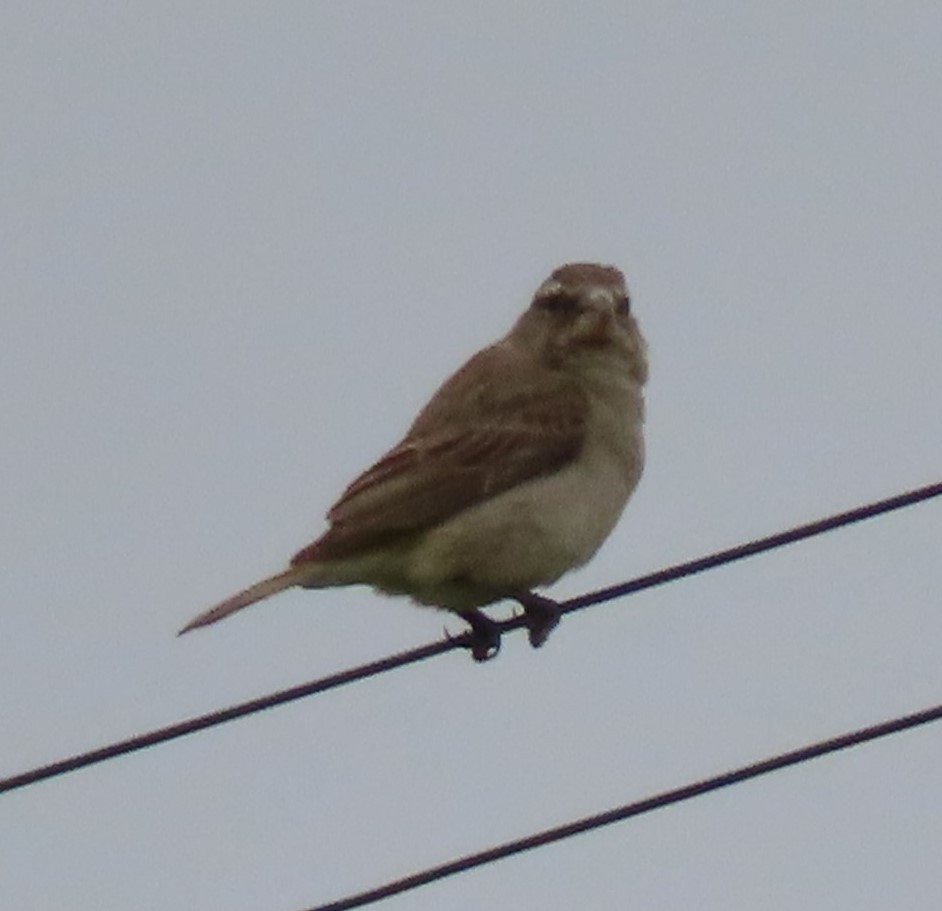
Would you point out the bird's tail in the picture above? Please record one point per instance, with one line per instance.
(296, 575)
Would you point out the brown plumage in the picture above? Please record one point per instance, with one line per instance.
(514, 472)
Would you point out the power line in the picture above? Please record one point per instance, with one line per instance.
(400, 659)
(220, 716)
(617, 814)
(758, 546)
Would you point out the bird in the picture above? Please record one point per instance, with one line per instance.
(514, 473)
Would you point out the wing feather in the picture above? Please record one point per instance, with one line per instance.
(499, 421)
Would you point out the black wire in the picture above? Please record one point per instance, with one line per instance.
(669, 574)
(664, 799)
(760, 545)
(220, 716)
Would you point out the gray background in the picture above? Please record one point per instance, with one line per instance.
(242, 243)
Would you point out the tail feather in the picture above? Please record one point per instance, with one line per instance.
(296, 575)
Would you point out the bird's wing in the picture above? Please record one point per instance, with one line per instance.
(499, 421)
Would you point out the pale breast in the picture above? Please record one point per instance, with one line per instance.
(530, 535)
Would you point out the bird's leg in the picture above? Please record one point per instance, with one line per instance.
(485, 635)
(542, 616)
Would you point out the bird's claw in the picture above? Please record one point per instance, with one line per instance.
(483, 641)
(542, 616)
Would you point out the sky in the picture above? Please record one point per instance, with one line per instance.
(243, 243)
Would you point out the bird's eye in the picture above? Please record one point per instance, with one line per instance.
(558, 302)
(624, 306)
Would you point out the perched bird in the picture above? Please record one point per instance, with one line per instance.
(515, 472)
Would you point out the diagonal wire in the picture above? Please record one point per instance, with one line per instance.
(400, 659)
(617, 814)
(220, 716)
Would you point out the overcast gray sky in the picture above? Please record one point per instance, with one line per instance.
(242, 243)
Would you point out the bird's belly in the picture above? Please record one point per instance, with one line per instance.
(525, 537)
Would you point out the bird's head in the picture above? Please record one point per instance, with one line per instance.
(583, 311)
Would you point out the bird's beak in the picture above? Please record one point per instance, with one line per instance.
(600, 325)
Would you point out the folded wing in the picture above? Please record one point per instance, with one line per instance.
(499, 421)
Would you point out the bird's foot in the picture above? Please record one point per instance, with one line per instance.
(484, 638)
(542, 616)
